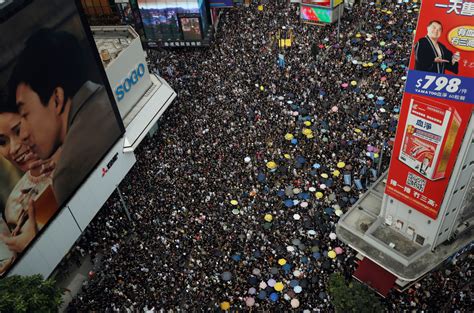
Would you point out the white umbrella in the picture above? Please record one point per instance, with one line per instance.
(295, 303)
(332, 236)
(312, 189)
(247, 160)
(263, 285)
(296, 273)
(296, 216)
(290, 248)
(304, 204)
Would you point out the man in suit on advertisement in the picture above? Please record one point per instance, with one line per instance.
(61, 108)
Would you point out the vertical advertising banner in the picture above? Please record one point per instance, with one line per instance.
(437, 105)
(58, 117)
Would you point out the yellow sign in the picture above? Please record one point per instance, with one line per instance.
(459, 37)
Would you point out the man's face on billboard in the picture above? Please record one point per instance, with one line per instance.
(435, 30)
(40, 124)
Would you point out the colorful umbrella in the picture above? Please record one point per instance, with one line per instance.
(281, 262)
(306, 131)
(271, 282)
(332, 254)
(353, 83)
(307, 123)
(295, 303)
(341, 165)
(225, 306)
(319, 195)
(278, 286)
(324, 175)
(338, 250)
(226, 276)
(298, 289)
(234, 202)
(289, 136)
(272, 165)
(268, 217)
(336, 173)
(344, 85)
(250, 301)
(274, 297)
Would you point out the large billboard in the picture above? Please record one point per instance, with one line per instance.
(58, 117)
(437, 105)
(315, 14)
(161, 17)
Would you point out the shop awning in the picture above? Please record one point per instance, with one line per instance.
(375, 276)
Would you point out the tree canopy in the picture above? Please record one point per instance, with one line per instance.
(29, 294)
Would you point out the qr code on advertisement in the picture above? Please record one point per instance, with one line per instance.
(416, 182)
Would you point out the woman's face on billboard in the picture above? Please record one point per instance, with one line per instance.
(11, 146)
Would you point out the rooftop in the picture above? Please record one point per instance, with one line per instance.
(112, 40)
(363, 229)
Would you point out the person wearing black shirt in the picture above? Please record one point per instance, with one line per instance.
(431, 55)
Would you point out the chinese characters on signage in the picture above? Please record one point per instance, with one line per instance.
(437, 105)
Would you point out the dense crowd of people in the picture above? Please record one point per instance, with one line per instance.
(239, 191)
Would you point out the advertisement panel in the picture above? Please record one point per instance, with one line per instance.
(315, 14)
(58, 117)
(322, 3)
(191, 27)
(161, 17)
(437, 105)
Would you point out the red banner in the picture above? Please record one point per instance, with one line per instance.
(437, 105)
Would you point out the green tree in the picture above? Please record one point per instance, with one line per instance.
(352, 297)
(29, 294)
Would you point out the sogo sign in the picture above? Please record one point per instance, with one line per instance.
(127, 84)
